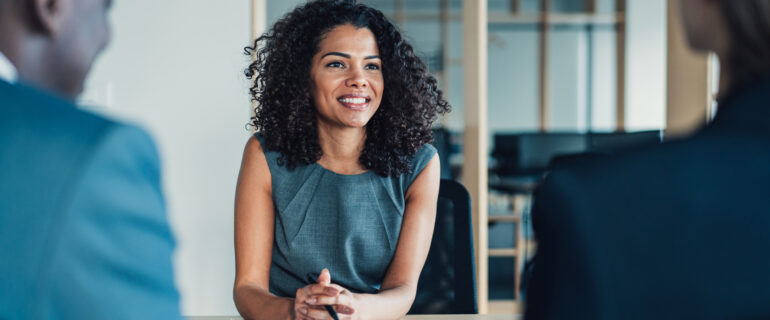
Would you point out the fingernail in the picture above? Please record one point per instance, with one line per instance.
(303, 310)
(312, 300)
(345, 310)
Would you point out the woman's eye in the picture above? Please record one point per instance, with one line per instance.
(372, 67)
(335, 64)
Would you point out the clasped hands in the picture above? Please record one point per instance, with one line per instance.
(310, 301)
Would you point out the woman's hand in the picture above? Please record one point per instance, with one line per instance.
(311, 301)
(342, 300)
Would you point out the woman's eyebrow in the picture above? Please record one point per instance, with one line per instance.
(335, 53)
(347, 56)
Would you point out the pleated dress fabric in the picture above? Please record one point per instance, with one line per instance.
(347, 223)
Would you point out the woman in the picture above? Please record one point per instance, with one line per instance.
(337, 192)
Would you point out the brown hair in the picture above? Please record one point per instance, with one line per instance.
(749, 27)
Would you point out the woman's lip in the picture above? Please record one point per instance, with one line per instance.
(356, 107)
(355, 95)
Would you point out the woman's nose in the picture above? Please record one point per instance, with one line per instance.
(356, 79)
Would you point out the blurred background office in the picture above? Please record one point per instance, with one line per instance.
(529, 81)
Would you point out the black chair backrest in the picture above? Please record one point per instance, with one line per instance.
(448, 281)
(442, 141)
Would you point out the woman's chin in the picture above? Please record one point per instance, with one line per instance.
(356, 123)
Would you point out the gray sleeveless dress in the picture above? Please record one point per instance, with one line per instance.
(346, 223)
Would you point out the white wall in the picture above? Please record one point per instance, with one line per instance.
(646, 64)
(176, 68)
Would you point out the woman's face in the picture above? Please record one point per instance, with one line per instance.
(346, 77)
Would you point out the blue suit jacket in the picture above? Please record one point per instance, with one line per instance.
(83, 230)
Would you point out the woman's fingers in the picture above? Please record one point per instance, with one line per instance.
(325, 278)
(317, 289)
(318, 314)
(346, 310)
(343, 304)
(304, 311)
(320, 300)
(329, 290)
(334, 289)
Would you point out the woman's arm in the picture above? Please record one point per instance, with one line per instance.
(254, 231)
(399, 286)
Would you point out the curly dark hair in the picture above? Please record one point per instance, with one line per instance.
(286, 116)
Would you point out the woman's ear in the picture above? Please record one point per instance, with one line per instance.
(48, 16)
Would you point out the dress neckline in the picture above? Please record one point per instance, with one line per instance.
(340, 174)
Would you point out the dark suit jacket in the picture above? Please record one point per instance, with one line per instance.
(83, 230)
(677, 231)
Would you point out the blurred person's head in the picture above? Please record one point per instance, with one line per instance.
(309, 67)
(53, 43)
(738, 31)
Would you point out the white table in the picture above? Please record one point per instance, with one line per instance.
(414, 317)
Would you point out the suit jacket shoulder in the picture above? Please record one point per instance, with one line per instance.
(623, 236)
(115, 237)
(82, 214)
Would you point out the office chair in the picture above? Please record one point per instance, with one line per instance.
(447, 283)
(442, 141)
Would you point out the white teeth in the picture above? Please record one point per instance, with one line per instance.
(353, 100)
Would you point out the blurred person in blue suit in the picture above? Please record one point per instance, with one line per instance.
(83, 228)
(676, 231)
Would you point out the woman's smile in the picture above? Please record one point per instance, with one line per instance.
(355, 101)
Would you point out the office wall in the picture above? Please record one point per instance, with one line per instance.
(175, 67)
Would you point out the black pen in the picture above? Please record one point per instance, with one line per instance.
(331, 312)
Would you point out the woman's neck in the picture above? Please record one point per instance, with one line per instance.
(341, 148)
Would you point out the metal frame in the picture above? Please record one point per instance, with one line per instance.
(475, 136)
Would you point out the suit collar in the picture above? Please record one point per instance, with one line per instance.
(746, 108)
(8, 72)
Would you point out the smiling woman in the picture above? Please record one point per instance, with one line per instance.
(346, 72)
(337, 192)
